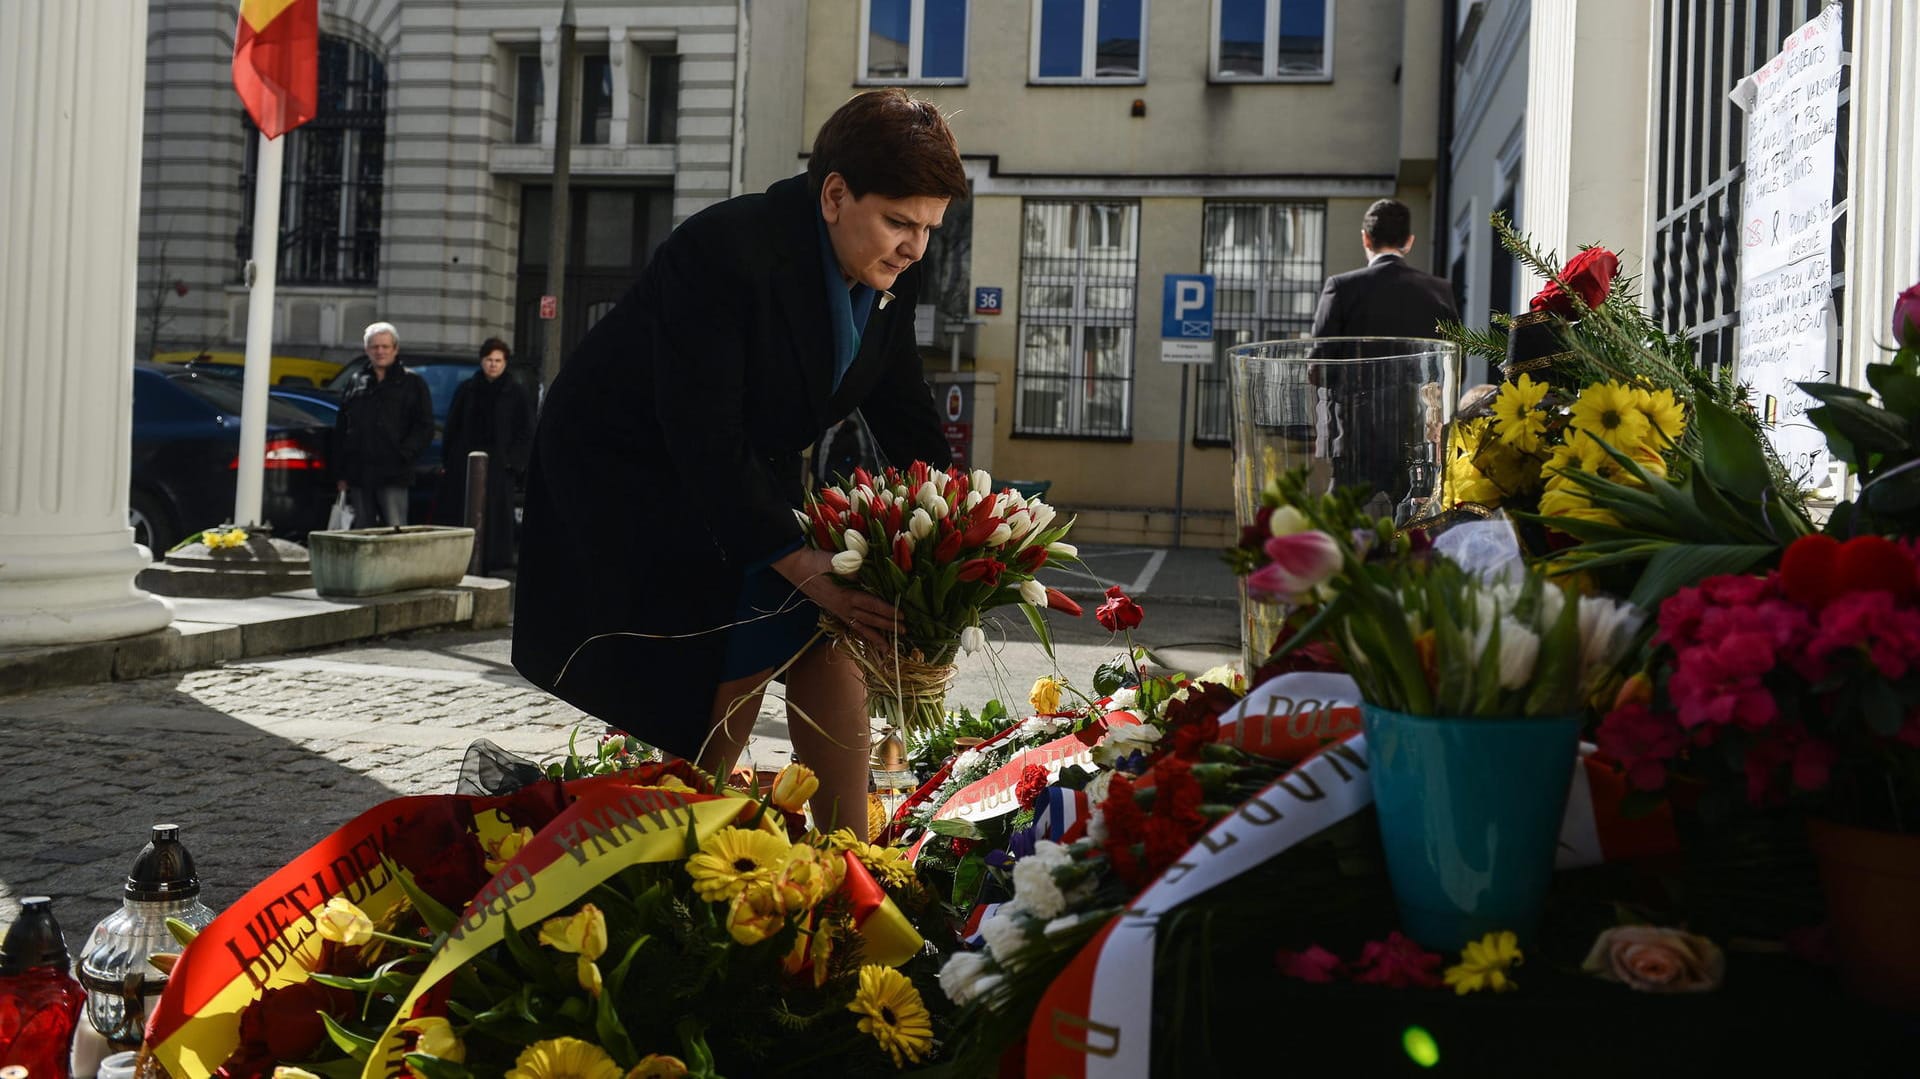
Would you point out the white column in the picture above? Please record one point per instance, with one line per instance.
(1883, 178)
(73, 79)
(619, 57)
(1585, 170)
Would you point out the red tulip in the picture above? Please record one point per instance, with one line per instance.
(903, 553)
(1059, 601)
(835, 497)
(1906, 318)
(862, 477)
(982, 569)
(1031, 558)
(1119, 612)
(950, 543)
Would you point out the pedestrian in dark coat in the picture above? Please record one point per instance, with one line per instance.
(490, 413)
(667, 468)
(385, 423)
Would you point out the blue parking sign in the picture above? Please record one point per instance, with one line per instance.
(1186, 307)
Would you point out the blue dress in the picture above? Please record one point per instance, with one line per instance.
(773, 619)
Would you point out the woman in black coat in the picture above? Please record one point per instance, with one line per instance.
(489, 413)
(659, 524)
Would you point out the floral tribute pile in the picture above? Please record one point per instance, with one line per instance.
(944, 547)
(634, 924)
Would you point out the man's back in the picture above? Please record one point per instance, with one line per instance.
(1387, 298)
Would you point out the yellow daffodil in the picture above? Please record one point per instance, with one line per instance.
(502, 850)
(1667, 415)
(1484, 963)
(793, 786)
(892, 1012)
(659, 1066)
(564, 1058)
(734, 858)
(1611, 412)
(1517, 416)
(584, 932)
(1044, 696)
(588, 973)
(434, 1036)
(343, 923)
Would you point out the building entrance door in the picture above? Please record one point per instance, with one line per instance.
(613, 232)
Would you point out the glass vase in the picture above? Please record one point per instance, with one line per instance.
(1366, 412)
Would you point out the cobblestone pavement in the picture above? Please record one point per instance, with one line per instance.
(258, 760)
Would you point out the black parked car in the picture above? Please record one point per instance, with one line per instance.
(186, 444)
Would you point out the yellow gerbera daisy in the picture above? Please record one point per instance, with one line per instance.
(1666, 415)
(1465, 483)
(1517, 416)
(1484, 963)
(734, 858)
(891, 1011)
(564, 1058)
(1611, 411)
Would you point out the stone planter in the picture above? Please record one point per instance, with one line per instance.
(373, 561)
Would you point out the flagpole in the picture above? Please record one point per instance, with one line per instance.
(259, 368)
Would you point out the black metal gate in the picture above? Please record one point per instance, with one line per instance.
(1704, 48)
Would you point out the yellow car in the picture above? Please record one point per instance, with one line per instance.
(286, 370)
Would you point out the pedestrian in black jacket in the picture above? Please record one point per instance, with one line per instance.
(659, 533)
(490, 413)
(385, 422)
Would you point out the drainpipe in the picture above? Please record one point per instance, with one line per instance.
(1443, 167)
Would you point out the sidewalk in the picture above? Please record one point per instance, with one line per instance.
(207, 632)
(1186, 575)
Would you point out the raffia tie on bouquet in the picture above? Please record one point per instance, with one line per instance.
(904, 685)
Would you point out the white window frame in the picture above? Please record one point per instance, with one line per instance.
(1270, 49)
(916, 40)
(1089, 49)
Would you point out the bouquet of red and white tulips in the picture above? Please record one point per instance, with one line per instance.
(942, 546)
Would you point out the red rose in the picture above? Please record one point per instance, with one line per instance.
(286, 1021)
(1033, 782)
(1876, 564)
(1906, 318)
(1119, 612)
(1589, 274)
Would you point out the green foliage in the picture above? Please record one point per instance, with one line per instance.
(927, 748)
(1879, 442)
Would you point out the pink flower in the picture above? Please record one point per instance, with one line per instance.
(1906, 317)
(1813, 762)
(1316, 964)
(1398, 963)
(1642, 740)
(1299, 563)
(1655, 960)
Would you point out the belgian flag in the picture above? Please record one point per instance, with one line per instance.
(276, 62)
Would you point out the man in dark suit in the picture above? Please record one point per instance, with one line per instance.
(1364, 424)
(1387, 297)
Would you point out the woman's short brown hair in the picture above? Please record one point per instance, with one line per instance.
(494, 344)
(889, 143)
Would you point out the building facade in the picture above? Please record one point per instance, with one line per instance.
(420, 194)
(1488, 155)
(1110, 144)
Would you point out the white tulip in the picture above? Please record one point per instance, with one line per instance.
(1042, 515)
(805, 521)
(939, 508)
(973, 499)
(919, 524)
(1607, 627)
(1519, 649)
(1062, 549)
(973, 639)
(1012, 499)
(1000, 534)
(848, 563)
(926, 495)
(939, 481)
(1019, 521)
(856, 542)
(1287, 521)
(982, 483)
(1033, 592)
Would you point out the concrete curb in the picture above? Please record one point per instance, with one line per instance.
(206, 632)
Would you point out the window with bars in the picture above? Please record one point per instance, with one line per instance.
(1079, 272)
(1268, 261)
(334, 176)
(1700, 161)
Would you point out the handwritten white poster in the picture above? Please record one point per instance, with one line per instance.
(1792, 105)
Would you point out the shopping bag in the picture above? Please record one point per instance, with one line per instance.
(340, 517)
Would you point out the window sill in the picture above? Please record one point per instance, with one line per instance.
(1035, 80)
(955, 81)
(1237, 80)
(1061, 436)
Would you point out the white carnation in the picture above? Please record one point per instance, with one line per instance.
(1033, 884)
(1006, 934)
(960, 977)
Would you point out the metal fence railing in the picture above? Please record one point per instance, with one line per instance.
(1079, 274)
(1268, 261)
